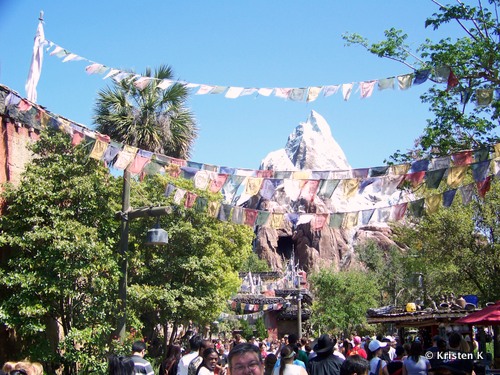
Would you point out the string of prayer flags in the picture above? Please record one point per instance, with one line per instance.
(308, 94)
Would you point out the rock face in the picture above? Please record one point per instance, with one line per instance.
(311, 146)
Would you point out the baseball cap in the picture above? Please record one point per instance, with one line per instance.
(375, 345)
(357, 340)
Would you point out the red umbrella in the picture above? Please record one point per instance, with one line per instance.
(490, 315)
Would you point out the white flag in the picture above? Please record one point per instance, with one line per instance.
(36, 63)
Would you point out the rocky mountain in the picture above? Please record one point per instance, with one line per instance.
(311, 146)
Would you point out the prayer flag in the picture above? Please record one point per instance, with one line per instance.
(36, 63)
(404, 81)
(432, 203)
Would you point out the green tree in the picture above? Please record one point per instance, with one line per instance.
(458, 248)
(260, 327)
(474, 59)
(341, 300)
(254, 264)
(392, 269)
(191, 278)
(59, 274)
(150, 118)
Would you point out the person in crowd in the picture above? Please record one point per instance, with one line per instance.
(357, 349)
(386, 356)
(141, 365)
(346, 347)
(286, 366)
(263, 350)
(416, 363)
(309, 351)
(194, 347)
(293, 341)
(222, 357)
(210, 357)
(324, 363)
(273, 348)
(171, 363)
(337, 351)
(395, 367)
(120, 365)
(196, 361)
(269, 363)
(237, 339)
(434, 348)
(407, 347)
(377, 364)
(245, 359)
(355, 365)
(466, 365)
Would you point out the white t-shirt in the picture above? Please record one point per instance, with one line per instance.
(290, 369)
(205, 371)
(416, 368)
(374, 363)
(184, 362)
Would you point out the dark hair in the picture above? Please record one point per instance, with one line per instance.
(195, 343)
(120, 365)
(454, 340)
(415, 351)
(205, 344)
(138, 346)
(441, 345)
(270, 361)
(400, 350)
(206, 353)
(292, 339)
(244, 347)
(171, 362)
(287, 353)
(354, 364)
(209, 351)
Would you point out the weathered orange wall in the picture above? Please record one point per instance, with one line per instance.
(14, 153)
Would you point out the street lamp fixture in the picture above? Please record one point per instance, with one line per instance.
(156, 236)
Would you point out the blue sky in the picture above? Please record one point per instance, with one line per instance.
(257, 43)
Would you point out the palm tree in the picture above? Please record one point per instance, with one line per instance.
(149, 118)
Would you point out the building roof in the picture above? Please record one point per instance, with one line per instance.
(417, 318)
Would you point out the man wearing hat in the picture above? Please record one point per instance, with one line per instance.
(325, 363)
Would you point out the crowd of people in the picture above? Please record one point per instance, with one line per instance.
(300, 356)
(293, 356)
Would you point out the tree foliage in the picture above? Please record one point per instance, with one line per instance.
(458, 248)
(474, 59)
(392, 270)
(59, 276)
(341, 300)
(150, 118)
(59, 272)
(193, 276)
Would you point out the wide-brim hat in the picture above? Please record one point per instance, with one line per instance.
(325, 344)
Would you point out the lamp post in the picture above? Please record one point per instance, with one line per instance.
(124, 231)
(299, 306)
(156, 236)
